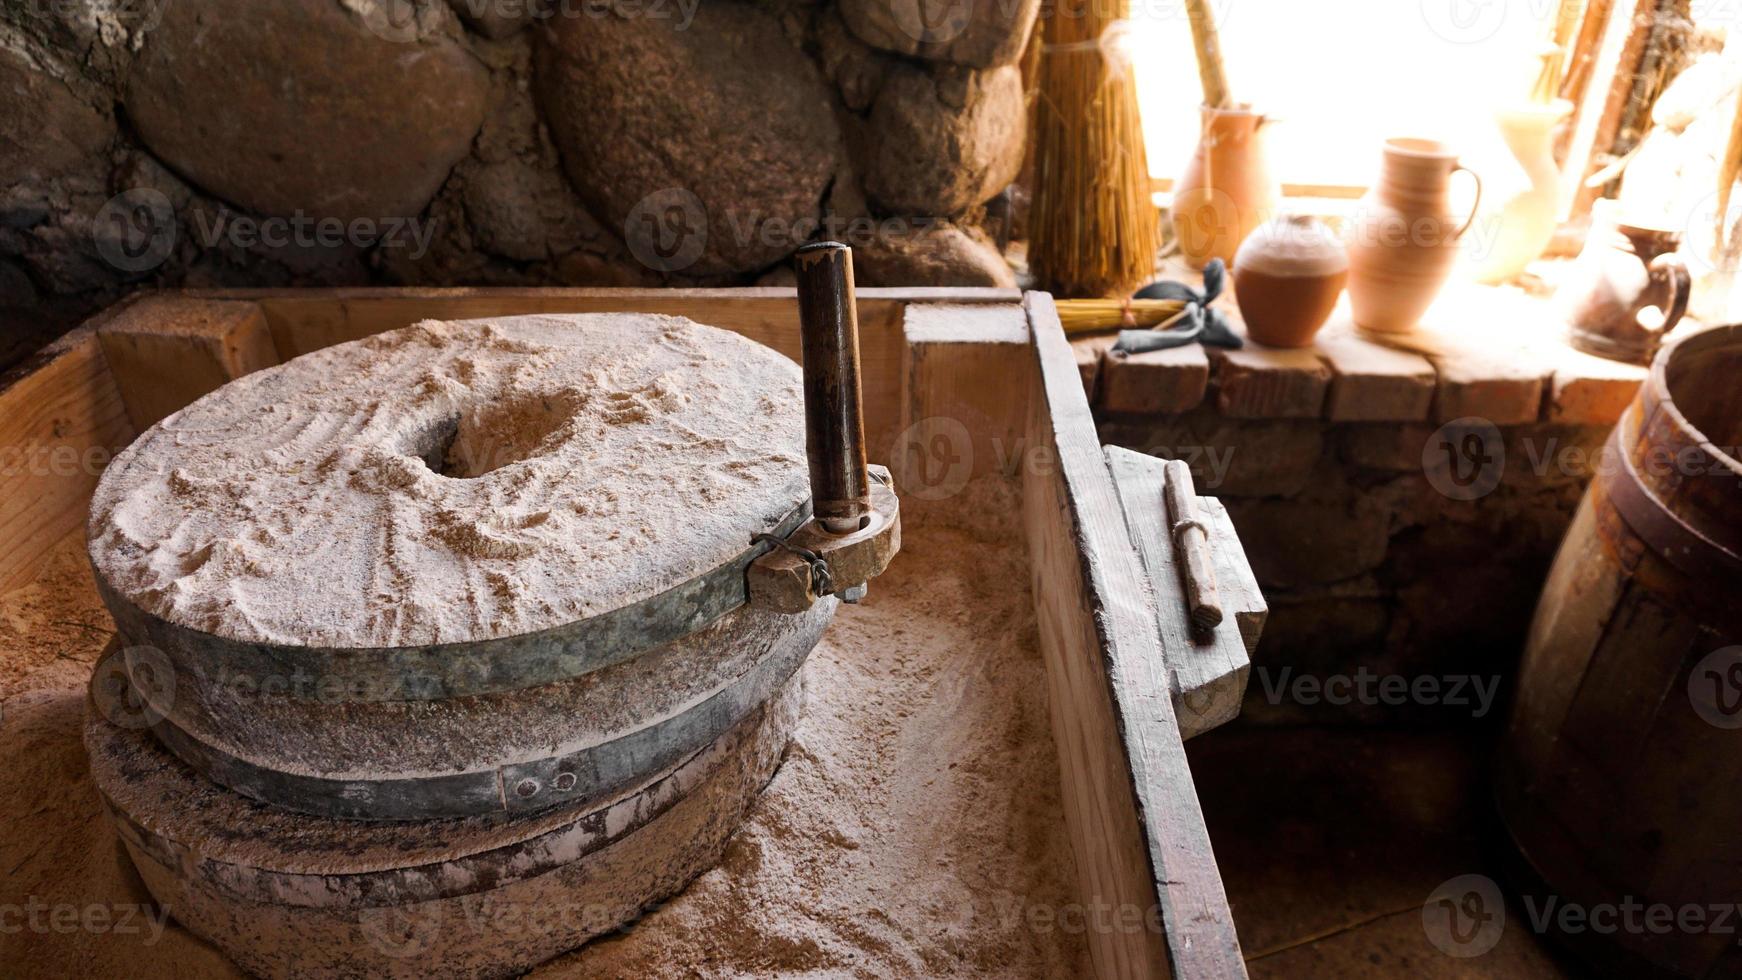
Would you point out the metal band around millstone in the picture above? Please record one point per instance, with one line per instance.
(450, 670)
(592, 773)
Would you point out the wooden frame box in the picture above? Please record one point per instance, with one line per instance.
(991, 366)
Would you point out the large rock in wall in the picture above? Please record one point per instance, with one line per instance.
(975, 33)
(943, 140)
(711, 146)
(45, 128)
(149, 143)
(306, 106)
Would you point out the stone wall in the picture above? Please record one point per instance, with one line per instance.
(1400, 511)
(495, 142)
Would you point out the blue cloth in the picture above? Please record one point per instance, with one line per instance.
(1201, 324)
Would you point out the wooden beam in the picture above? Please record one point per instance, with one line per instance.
(1136, 827)
(965, 411)
(166, 350)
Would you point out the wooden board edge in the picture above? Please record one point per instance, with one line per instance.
(964, 408)
(62, 419)
(1207, 673)
(1137, 828)
(167, 349)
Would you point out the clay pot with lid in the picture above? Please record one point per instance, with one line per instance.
(1403, 241)
(1287, 277)
(1227, 188)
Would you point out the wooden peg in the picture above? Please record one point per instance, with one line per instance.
(1192, 538)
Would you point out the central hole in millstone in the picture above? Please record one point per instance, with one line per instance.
(484, 438)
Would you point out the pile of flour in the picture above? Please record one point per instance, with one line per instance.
(455, 481)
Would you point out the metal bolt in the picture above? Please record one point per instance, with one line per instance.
(526, 788)
(852, 595)
(564, 781)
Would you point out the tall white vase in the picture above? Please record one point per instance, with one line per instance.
(1520, 229)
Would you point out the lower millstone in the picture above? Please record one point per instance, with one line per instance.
(287, 894)
(565, 744)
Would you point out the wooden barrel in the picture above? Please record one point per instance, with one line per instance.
(1620, 776)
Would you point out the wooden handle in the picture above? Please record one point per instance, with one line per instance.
(833, 409)
(1209, 47)
(1192, 539)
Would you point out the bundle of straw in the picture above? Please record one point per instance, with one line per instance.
(1079, 316)
(1560, 39)
(1094, 230)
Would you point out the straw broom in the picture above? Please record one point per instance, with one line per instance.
(1094, 230)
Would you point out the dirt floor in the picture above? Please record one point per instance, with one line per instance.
(910, 832)
(1331, 841)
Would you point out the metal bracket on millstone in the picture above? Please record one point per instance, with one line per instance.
(813, 562)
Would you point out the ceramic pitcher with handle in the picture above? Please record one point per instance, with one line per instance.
(1627, 289)
(1403, 241)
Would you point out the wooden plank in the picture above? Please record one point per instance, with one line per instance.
(61, 421)
(965, 413)
(1157, 382)
(1136, 827)
(167, 350)
(1208, 672)
(1242, 597)
(1610, 83)
(1371, 382)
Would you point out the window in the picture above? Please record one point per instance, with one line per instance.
(1341, 76)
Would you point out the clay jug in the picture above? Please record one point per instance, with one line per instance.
(1287, 277)
(1525, 223)
(1625, 291)
(1403, 239)
(1227, 188)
